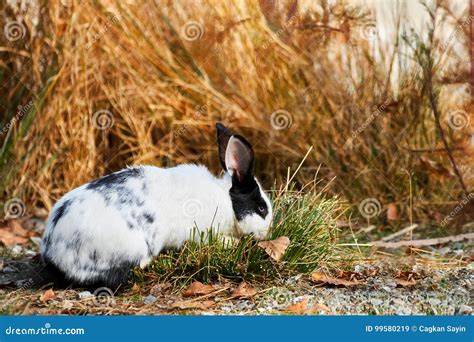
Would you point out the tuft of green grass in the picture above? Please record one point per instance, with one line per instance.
(307, 219)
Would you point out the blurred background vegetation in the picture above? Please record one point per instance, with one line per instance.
(89, 87)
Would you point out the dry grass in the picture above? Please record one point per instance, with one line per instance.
(164, 92)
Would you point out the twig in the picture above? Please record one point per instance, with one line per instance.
(424, 242)
(400, 232)
(208, 295)
(430, 150)
(434, 108)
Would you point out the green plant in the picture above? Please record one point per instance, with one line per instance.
(307, 219)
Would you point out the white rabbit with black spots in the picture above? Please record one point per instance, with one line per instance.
(97, 232)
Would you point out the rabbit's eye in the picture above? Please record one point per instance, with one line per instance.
(262, 210)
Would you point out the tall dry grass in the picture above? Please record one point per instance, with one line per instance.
(115, 83)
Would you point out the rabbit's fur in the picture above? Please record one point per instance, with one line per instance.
(97, 232)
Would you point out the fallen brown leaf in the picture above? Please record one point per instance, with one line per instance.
(405, 283)
(47, 295)
(135, 287)
(275, 248)
(244, 290)
(392, 214)
(298, 308)
(190, 304)
(323, 279)
(406, 278)
(14, 234)
(198, 289)
(320, 307)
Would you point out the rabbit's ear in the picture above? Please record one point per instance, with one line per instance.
(239, 158)
(223, 136)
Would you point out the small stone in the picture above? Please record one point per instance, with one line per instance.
(67, 304)
(434, 301)
(403, 312)
(30, 252)
(150, 299)
(17, 249)
(245, 305)
(375, 301)
(226, 309)
(293, 280)
(359, 269)
(8, 269)
(465, 310)
(84, 295)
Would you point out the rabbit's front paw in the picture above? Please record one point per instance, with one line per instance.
(144, 262)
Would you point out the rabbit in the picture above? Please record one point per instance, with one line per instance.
(96, 233)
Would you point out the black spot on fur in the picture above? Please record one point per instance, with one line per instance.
(75, 242)
(115, 179)
(94, 257)
(61, 211)
(149, 217)
(149, 246)
(247, 200)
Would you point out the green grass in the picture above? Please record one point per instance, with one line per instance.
(307, 219)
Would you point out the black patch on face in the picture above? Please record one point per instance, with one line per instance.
(115, 179)
(61, 211)
(247, 200)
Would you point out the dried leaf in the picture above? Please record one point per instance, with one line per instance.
(298, 308)
(244, 290)
(320, 307)
(14, 234)
(392, 213)
(9, 239)
(323, 279)
(198, 289)
(191, 304)
(275, 248)
(135, 287)
(47, 295)
(435, 167)
(405, 283)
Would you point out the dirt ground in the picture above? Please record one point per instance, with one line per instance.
(383, 285)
